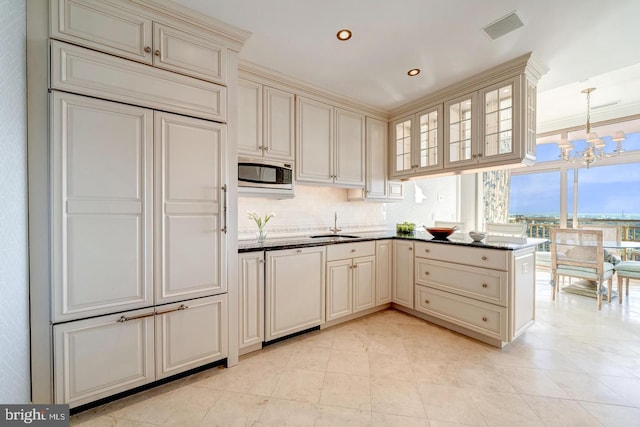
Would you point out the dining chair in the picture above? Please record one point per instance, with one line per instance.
(626, 270)
(610, 233)
(578, 253)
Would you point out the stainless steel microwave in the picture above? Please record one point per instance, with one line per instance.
(265, 177)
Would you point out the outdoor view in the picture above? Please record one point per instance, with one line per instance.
(606, 195)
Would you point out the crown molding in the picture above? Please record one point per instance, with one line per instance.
(234, 36)
(526, 64)
(251, 71)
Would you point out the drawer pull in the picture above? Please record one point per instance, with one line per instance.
(353, 250)
(410, 249)
(299, 251)
(426, 250)
(484, 258)
(157, 52)
(147, 49)
(426, 273)
(484, 285)
(484, 319)
(426, 301)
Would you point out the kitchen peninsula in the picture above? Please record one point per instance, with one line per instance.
(482, 290)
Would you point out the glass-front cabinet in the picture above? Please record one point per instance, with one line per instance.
(498, 115)
(417, 143)
(461, 120)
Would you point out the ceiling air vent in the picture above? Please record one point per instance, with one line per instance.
(503, 26)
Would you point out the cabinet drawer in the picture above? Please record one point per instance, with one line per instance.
(479, 283)
(487, 319)
(80, 70)
(351, 250)
(480, 257)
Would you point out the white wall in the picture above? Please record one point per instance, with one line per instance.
(14, 307)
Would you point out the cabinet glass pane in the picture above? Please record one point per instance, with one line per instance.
(429, 139)
(403, 145)
(460, 131)
(498, 121)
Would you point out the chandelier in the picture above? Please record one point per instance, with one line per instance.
(594, 146)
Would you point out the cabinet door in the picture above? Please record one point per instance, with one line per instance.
(428, 142)
(402, 160)
(102, 165)
(103, 26)
(460, 145)
(314, 149)
(190, 175)
(250, 118)
(339, 288)
(403, 278)
(191, 53)
(499, 118)
(278, 133)
(295, 287)
(251, 310)
(384, 271)
(376, 165)
(190, 334)
(364, 283)
(350, 147)
(101, 356)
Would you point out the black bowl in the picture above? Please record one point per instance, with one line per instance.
(440, 232)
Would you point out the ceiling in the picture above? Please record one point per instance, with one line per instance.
(582, 42)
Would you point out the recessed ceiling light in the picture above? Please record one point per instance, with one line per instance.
(413, 72)
(344, 35)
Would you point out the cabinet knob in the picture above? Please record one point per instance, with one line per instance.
(484, 258)
(147, 49)
(157, 53)
(353, 250)
(479, 155)
(426, 273)
(426, 250)
(484, 319)
(410, 249)
(299, 251)
(484, 285)
(426, 301)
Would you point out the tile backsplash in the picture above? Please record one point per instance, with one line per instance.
(312, 210)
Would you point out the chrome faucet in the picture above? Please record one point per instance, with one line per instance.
(335, 228)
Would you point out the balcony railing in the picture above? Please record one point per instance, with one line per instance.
(540, 227)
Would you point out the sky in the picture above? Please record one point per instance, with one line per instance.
(603, 190)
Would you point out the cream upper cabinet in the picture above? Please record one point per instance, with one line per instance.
(377, 186)
(251, 298)
(265, 121)
(120, 28)
(330, 144)
(417, 143)
(278, 123)
(250, 118)
(102, 206)
(460, 137)
(403, 273)
(189, 190)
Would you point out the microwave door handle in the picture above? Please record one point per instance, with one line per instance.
(224, 208)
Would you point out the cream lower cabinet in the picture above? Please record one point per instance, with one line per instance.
(251, 300)
(351, 282)
(490, 292)
(294, 291)
(102, 356)
(403, 284)
(384, 271)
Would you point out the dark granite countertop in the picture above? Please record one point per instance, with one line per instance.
(461, 239)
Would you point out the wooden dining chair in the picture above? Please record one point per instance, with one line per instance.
(578, 253)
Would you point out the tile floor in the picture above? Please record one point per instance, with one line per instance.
(575, 367)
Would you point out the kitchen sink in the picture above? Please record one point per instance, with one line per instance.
(334, 236)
